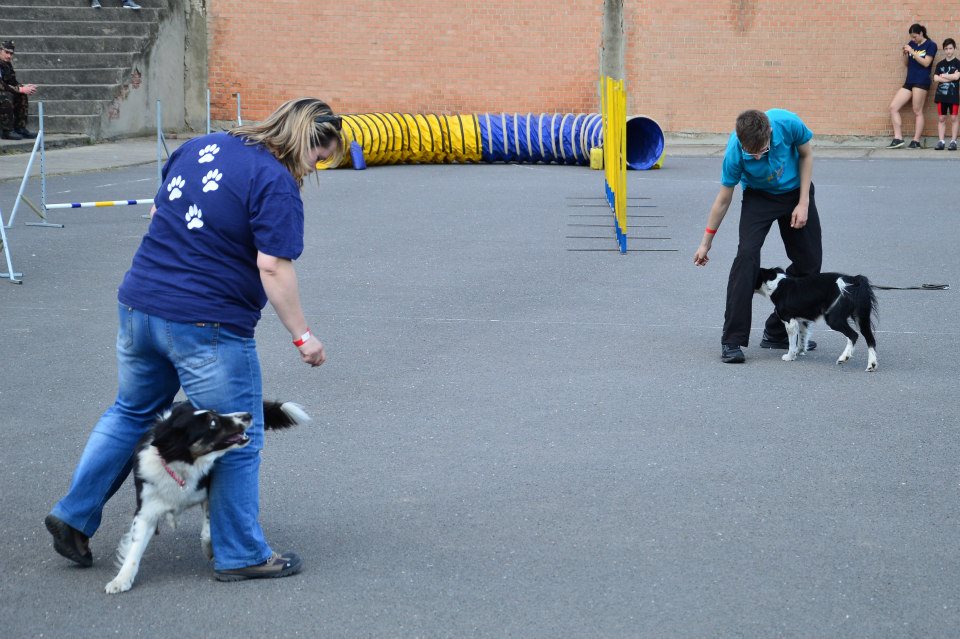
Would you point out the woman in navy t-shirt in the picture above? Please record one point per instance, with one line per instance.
(918, 56)
(226, 226)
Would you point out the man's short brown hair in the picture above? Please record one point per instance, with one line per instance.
(753, 130)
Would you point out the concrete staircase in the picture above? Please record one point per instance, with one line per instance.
(81, 58)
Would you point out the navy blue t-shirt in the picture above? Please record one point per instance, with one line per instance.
(221, 201)
(916, 72)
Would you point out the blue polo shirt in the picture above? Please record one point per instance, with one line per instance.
(222, 200)
(778, 170)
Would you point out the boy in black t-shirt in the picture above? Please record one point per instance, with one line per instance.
(948, 94)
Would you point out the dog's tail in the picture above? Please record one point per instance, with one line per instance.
(865, 307)
(278, 415)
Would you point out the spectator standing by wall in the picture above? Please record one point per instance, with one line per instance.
(947, 96)
(918, 56)
(13, 97)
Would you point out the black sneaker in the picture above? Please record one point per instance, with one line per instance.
(914, 145)
(11, 135)
(953, 145)
(783, 344)
(273, 568)
(896, 144)
(732, 354)
(69, 542)
(940, 146)
(25, 133)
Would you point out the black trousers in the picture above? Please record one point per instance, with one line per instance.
(13, 111)
(759, 211)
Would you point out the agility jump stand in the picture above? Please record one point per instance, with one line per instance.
(38, 143)
(6, 253)
(39, 146)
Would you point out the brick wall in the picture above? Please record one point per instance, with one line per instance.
(691, 65)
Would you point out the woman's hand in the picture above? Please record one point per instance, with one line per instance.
(311, 352)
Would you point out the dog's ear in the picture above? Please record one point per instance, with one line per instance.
(763, 275)
(181, 415)
(779, 270)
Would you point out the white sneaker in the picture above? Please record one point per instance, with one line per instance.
(95, 4)
(130, 4)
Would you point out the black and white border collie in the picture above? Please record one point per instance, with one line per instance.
(172, 472)
(843, 301)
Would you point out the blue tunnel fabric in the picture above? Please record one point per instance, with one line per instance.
(547, 137)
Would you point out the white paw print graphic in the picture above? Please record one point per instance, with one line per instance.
(194, 217)
(207, 153)
(174, 187)
(210, 180)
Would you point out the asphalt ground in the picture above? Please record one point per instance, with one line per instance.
(513, 438)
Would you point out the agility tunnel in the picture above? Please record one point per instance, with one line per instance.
(550, 138)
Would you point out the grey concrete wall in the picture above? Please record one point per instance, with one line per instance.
(173, 70)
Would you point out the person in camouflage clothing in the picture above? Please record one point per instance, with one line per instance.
(13, 98)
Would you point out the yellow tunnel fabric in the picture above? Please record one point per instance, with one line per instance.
(396, 138)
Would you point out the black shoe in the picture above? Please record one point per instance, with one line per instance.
(11, 135)
(953, 145)
(896, 144)
(783, 344)
(732, 354)
(27, 135)
(913, 145)
(276, 566)
(941, 145)
(69, 542)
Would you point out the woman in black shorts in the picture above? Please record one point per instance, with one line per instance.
(918, 56)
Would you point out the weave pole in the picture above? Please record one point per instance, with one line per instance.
(613, 98)
(614, 154)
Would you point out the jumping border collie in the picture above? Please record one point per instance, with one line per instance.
(843, 301)
(171, 472)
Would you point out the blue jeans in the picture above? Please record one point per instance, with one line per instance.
(218, 371)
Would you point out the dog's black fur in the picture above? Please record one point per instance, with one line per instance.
(843, 301)
(172, 471)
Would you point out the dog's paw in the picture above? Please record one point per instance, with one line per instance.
(871, 367)
(789, 357)
(207, 547)
(117, 586)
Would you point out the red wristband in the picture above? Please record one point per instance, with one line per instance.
(710, 230)
(303, 339)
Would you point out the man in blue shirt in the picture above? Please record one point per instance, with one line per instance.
(769, 155)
